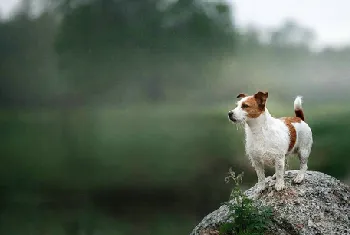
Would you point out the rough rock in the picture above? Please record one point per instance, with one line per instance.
(319, 205)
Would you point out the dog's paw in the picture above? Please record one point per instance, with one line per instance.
(279, 186)
(261, 187)
(299, 178)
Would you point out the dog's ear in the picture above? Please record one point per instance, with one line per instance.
(261, 98)
(241, 95)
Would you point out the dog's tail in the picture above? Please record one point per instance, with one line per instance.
(298, 109)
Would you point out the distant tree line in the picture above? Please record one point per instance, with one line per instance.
(73, 51)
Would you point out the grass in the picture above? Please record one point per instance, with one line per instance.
(35, 221)
(114, 144)
(146, 148)
(245, 217)
(153, 145)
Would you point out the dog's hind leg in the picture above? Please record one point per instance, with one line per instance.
(303, 155)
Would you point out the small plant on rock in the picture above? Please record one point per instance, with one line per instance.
(245, 217)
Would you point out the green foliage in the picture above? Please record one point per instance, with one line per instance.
(149, 24)
(114, 144)
(331, 145)
(125, 43)
(244, 216)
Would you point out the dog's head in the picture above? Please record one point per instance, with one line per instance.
(248, 107)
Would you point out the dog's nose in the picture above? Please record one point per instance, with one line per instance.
(230, 116)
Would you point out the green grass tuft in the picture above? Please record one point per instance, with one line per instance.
(244, 216)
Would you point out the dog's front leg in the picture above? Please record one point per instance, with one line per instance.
(279, 171)
(260, 172)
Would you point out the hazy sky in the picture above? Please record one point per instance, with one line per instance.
(330, 19)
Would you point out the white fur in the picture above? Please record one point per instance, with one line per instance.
(297, 102)
(267, 142)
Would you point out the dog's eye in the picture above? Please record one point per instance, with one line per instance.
(244, 106)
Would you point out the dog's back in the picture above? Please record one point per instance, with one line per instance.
(300, 134)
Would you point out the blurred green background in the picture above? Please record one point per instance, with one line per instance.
(113, 114)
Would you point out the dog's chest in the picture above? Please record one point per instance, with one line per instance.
(266, 143)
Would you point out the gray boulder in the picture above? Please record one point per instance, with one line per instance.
(319, 205)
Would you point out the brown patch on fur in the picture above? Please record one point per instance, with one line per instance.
(292, 132)
(299, 113)
(255, 105)
(261, 98)
(252, 108)
(241, 95)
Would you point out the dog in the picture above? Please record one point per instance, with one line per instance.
(269, 140)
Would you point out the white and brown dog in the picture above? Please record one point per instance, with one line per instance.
(269, 140)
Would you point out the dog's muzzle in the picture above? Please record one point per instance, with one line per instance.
(231, 117)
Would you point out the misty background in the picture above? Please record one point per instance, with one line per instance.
(114, 113)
